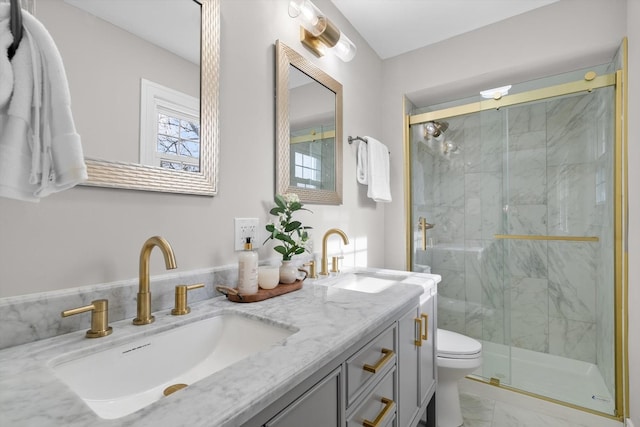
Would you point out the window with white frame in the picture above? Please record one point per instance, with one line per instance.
(169, 128)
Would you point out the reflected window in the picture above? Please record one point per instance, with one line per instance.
(178, 142)
(312, 158)
(170, 128)
(308, 173)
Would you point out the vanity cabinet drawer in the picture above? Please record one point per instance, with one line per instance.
(318, 407)
(378, 408)
(370, 363)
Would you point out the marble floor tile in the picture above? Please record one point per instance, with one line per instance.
(476, 411)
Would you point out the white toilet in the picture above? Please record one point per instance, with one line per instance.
(458, 356)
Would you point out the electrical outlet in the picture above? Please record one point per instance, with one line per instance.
(246, 227)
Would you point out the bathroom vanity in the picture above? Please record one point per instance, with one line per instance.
(358, 350)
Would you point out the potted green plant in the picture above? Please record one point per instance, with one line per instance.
(291, 234)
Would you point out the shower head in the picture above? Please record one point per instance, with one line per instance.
(435, 129)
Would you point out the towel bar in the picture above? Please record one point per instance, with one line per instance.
(356, 138)
(350, 140)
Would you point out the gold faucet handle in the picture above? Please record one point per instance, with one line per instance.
(312, 269)
(99, 317)
(181, 299)
(334, 264)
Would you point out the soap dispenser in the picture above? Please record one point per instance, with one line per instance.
(248, 270)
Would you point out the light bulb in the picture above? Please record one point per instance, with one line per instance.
(345, 49)
(309, 16)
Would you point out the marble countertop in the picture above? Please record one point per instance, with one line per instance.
(327, 320)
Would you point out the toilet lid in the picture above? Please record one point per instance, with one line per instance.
(457, 346)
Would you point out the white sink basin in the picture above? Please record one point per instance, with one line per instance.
(373, 282)
(368, 282)
(119, 381)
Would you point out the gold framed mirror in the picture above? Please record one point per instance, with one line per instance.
(308, 130)
(202, 179)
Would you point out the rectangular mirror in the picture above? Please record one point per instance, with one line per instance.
(143, 76)
(308, 130)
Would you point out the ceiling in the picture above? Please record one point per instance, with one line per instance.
(393, 27)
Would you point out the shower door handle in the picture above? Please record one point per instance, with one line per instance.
(423, 226)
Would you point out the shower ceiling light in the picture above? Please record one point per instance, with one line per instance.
(435, 129)
(449, 147)
(495, 93)
(318, 33)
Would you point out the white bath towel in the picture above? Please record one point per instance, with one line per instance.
(362, 160)
(6, 73)
(40, 151)
(378, 176)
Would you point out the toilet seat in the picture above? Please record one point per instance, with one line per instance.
(452, 345)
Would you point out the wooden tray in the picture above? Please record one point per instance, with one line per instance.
(262, 294)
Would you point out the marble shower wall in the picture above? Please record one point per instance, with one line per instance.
(543, 168)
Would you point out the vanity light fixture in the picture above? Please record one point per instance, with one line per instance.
(318, 33)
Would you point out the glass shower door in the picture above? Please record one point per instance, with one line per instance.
(514, 209)
(558, 242)
(457, 189)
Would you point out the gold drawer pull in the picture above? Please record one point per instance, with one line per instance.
(425, 334)
(418, 340)
(388, 407)
(388, 355)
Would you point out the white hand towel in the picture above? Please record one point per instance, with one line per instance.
(378, 166)
(361, 169)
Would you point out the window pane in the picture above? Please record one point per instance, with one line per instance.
(189, 130)
(191, 168)
(167, 144)
(170, 165)
(168, 125)
(190, 149)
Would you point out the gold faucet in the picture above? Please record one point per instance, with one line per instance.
(144, 296)
(325, 264)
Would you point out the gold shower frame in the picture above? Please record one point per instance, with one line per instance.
(617, 79)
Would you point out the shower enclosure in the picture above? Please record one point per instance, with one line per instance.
(513, 204)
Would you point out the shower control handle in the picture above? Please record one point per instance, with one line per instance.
(423, 226)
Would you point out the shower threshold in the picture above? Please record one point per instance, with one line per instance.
(559, 378)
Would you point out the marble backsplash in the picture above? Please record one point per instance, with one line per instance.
(32, 317)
